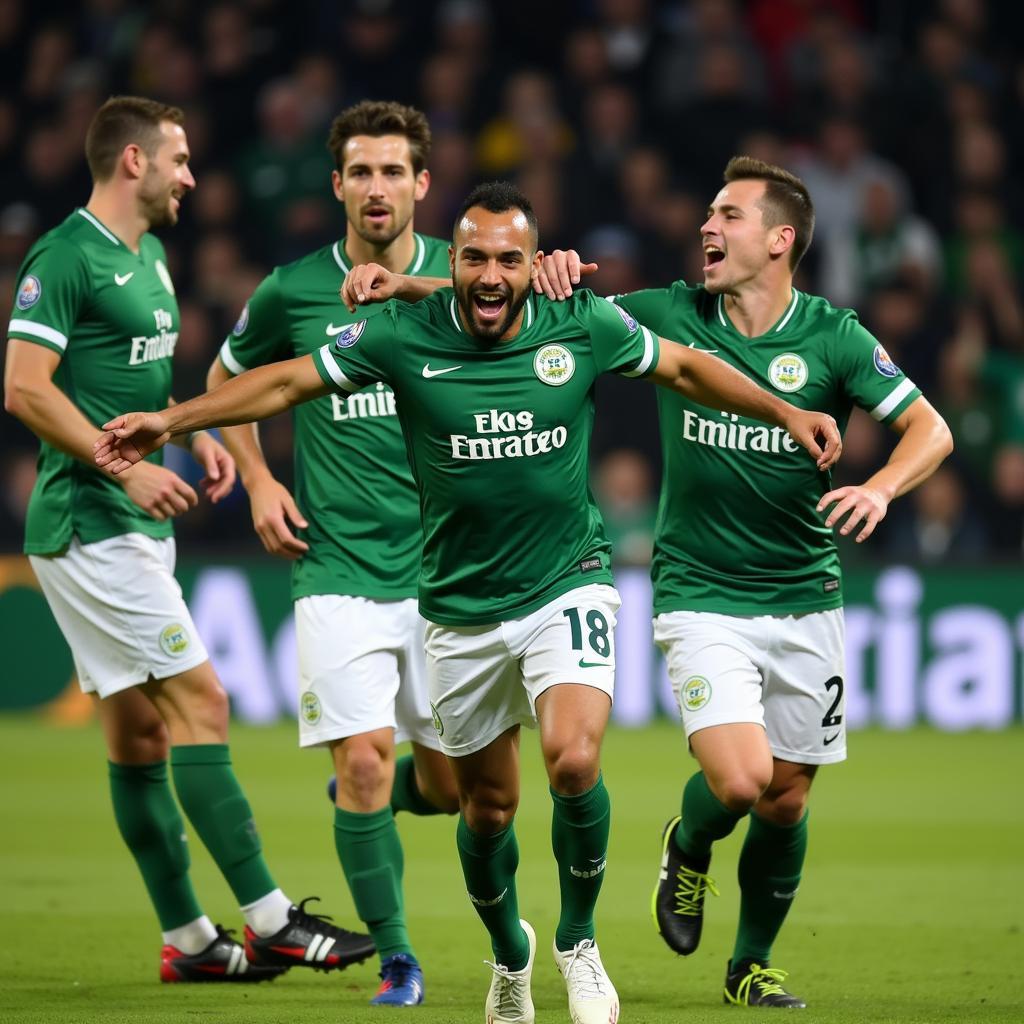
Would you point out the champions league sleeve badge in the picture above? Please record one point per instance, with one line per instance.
(631, 325)
(884, 364)
(242, 322)
(348, 336)
(29, 292)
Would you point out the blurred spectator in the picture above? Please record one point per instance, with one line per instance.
(285, 175)
(891, 244)
(837, 175)
(936, 523)
(624, 488)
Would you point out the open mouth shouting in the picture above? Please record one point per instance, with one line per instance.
(490, 306)
(713, 255)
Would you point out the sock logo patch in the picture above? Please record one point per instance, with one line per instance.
(601, 862)
(478, 902)
(695, 693)
(783, 895)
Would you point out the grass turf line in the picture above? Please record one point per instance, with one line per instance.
(910, 909)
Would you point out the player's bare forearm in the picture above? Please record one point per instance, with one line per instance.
(243, 441)
(412, 289)
(925, 442)
(253, 395)
(31, 396)
(703, 378)
(714, 383)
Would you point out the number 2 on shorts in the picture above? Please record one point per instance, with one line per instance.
(598, 637)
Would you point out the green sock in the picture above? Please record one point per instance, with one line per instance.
(705, 819)
(579, 838)
(371, 857)
(489, 866)
(769, 872)
(405, 794)
(151, 826)
(214, 802)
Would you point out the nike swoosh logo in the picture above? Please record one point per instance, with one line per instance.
(829, 739)
(122, 279)
(593, 664)
(710, 351)
(332, 330)
(428, 372)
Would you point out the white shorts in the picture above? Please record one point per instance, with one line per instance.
(485, 679)
(121, 611)
(361, 668)
(782, 672)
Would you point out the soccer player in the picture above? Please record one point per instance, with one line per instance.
(494, 392)
(94, 325)
(360, 635)
(747, 584)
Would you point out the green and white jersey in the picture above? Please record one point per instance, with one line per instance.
(498, 436)
(738, 531)
(111, 315)
(352, 478)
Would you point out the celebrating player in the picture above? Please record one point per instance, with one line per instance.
(747, 585)
(94, 326)
(494, 392)
(360, 636)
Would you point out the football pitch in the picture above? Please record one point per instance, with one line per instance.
(911, 909)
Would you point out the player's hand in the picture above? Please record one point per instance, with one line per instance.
(559, 271)
(157, 491)
(128, 439)
(819, 434)
(216, 460)
(366, 283)
(857, 504)
(272, 510)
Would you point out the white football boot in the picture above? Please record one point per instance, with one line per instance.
(508, 999)
(592, 996)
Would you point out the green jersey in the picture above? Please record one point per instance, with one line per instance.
(111, 315)
(738, 529)
(497, 435)
(352, 478)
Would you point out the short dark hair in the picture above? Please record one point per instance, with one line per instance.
(499, 197)
(785, 201)
(121, 121)
(381, 117)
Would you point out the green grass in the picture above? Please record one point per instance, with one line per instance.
(911, 909)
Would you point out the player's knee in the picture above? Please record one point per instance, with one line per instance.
(141, 743)
(488, 813)
(574, 769)
(442, 793)
(361, 767)
(739, 792)
(784, 809)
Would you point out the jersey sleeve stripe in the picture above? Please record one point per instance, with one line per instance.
(648, 357)
(333, 371)
(50, 334)
(227, 357)
(893, 399)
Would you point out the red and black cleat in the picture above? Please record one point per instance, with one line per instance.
(222, 960)
(308, 940)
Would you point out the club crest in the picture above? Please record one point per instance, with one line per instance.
(787, 372)
(554, 365)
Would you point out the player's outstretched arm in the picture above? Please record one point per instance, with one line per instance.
(273, 508)
(710, 381)
(926, 440)
(559, 271)
(370, 282)
(253, 395)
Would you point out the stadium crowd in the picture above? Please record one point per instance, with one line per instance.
(615, 117)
